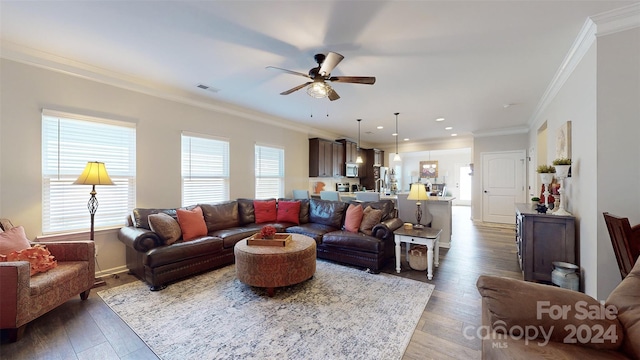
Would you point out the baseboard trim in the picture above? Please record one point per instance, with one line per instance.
(112, 271)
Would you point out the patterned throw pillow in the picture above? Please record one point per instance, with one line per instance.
(353, 219)
(370, 218)
(289, 211)
(13, 239)
(166, 227)
(191, 223)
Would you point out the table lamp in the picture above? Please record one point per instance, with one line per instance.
(419, 193)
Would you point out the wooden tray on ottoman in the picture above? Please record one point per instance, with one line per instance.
(278, 240)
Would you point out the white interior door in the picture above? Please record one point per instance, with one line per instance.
(503, 179)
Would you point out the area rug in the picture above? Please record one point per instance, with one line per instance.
(340, 313)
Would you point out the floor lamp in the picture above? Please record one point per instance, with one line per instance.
(94, 174)
(418, 193)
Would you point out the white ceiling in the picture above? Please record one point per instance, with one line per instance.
(461, 60)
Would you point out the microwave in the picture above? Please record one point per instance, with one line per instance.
(351, 170)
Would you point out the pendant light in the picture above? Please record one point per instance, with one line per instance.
(359, 158)
(397, 156)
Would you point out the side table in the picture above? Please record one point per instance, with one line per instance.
(426, 236)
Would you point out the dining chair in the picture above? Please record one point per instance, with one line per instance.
(625, 240)
(330, 195)
(367, 196)
(300, 194)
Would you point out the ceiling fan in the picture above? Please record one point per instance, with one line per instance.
(319, 76)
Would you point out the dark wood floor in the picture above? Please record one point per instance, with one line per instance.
(90, 330)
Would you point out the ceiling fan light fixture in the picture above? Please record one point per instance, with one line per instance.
(319, 90)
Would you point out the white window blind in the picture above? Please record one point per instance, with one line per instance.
(70, 141)
(269, 172)
(205, 169)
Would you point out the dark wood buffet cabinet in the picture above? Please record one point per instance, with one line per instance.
(542, 239)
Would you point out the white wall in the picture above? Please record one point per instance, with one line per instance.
(576, 102)
(27, 89)
(601, 98)
(618, 143)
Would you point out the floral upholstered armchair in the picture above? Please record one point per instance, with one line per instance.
(27, 292)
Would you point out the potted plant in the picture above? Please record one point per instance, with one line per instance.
(546, 176)
(562, 166)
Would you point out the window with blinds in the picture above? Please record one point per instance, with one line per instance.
(269, 172)
(205, 169)
(70, 141)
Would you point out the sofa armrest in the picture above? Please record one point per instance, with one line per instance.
(71, 250)
(385, 229)
(139, 239)
(514, 306)
(15, 278)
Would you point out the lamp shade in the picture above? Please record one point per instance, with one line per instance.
(418, 192)
(94, 173)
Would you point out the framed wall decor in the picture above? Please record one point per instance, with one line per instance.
(563, 141)
(429, 169)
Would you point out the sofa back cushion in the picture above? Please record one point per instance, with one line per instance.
(626, 297)
(221, 215)
(246, 212)
(327, 212)
(140, 216)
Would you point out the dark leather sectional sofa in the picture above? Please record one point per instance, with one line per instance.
(229, 222)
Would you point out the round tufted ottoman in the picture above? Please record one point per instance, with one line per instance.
(274, 266)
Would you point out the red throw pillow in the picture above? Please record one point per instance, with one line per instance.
(265, 211)
(13, 239)
(191, 223)
(353, 218)
(289, 211)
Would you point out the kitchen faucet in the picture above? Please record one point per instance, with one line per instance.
(379, 185)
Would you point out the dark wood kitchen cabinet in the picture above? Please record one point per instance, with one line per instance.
(322, 156)
(350, 151)
(542, 239)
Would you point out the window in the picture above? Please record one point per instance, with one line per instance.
(269, 172)
(205, 169)
(70, 141)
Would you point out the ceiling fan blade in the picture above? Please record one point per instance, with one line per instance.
(333, 95)
(329, 63)
(288, 71)
(295, 88)
(369, 80)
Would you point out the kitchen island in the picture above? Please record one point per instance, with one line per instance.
(439, 208)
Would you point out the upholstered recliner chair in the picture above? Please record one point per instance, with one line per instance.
(24, 297)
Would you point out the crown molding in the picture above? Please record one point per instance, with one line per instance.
(616, 20)
(29, 56)
(503, 131)
(605, 23)
(579, 48)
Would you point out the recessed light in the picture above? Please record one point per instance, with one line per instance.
(454, 134)
(440, 119)
(406, 139)
(380, 127)
(448, 128)
(394, 134)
